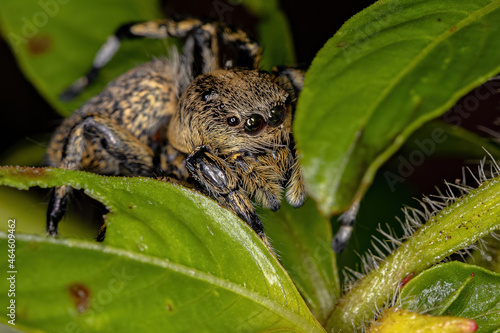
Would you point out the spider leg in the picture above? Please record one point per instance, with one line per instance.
(292, 74)
(209, 35)
(347, 220)
(205, 35)
(295, 188)
(157, 29)
(263, 175)
(171, 163)
(57, 208)
(291, 79)
(216, 177)
(100, 145)
(248, 50)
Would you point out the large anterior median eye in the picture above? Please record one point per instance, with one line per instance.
(254, 124)
(276, 115)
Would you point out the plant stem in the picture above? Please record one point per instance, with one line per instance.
(456, 227)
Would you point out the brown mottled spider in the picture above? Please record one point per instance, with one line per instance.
(226, 129)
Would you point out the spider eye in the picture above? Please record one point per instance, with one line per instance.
(233, 121)
(254, 124)
(207, 95)
(276, 116)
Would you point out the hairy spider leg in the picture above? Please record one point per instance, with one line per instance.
(205, 35)
(295, 189)
(347, 220)
(220, 182)
(265, 175)
(114, 151)
(291, 79)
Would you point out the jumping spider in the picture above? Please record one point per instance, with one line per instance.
(227, 129)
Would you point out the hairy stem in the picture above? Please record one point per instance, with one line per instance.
(456, 227)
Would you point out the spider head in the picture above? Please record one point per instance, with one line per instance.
(230, 111)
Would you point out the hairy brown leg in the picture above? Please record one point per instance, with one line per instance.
(291, 79)
(206, 36)
(99, 144)
(263, 176)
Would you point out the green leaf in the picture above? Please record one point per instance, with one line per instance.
(457, 289)
(55, 41)
(302, 238)
(456, 227)
(388, 70)
(437, 138)
(195, 265)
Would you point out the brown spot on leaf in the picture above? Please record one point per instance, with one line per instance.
(39, 44)
(80, 295)
(169, 305)
(33, 246)
(453, 28)
(439, 19)
(342, 44)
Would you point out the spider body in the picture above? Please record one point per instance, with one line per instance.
(226, 130)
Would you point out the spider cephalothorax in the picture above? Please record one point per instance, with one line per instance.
(235, 110)
(228, 131)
